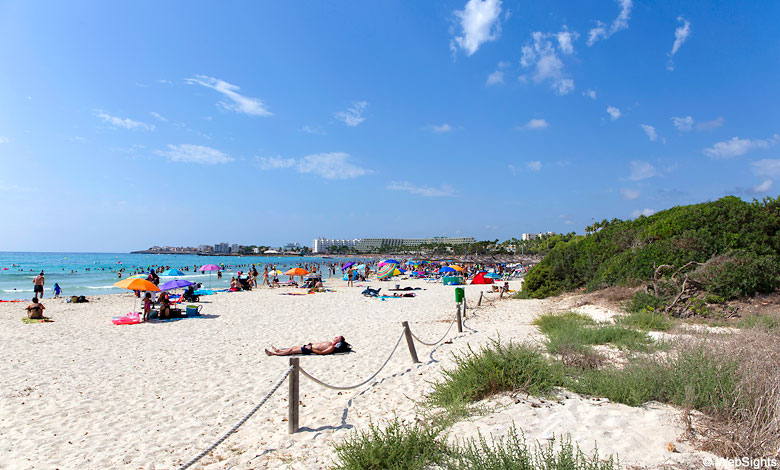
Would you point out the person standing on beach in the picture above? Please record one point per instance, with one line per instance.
(38, 283)
(265, 277)
(254, 276)
(350, 276)
(57, 290)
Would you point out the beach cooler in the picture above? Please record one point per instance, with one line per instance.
(193, 310)
(452, 280)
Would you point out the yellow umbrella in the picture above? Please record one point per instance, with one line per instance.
(396, 272)
(456, 267)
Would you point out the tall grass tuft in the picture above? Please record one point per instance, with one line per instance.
(572, 332)
(646, 320)
(513, 453)
(396, 446)
(495, 368)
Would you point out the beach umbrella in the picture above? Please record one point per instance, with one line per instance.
(136, 284)
(209, 268)
(175, 284)
(456, 267)
(359, 266)
(385, 271)
(398, 271)
(347, 265)
(172, 272)
(446, 269)
(297, 272)
(493, 276)
(390, 261)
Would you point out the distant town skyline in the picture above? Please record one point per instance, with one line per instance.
(285, 121)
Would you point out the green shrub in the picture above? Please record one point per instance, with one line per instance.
(741, 274)
(623, 252)
(645, 302)
(395, 447)
(495, 368)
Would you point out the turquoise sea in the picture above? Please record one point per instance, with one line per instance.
(94, 273)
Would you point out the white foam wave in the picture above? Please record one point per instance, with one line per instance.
(99, 287)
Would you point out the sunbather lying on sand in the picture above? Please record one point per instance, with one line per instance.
(339, 344)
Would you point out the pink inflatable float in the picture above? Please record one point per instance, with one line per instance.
(130, 319)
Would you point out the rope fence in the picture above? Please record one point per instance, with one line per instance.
(243, 420)
(294, 369)
(336, 387)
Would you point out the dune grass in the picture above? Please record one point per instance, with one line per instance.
(646, 320)
(495, 368)
(572, 332)
(760, 322)
(417, 447)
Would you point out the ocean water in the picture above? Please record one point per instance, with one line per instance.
(95, 273)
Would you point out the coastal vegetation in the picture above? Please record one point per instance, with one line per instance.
(690, 258)
(419, 447)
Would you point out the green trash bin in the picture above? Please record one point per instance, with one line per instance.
(459, 294)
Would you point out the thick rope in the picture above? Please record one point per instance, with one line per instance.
(335, 387)
(435, 342)
(243, 420)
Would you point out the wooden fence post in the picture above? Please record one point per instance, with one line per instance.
(410, 342)
(293, 396)
(479, 303)
(460, 320)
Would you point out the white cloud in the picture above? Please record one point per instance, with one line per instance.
(644, 212)
(312, 130)
(333, 166)
(565, 39)
(650, 131)
(536, 124)
(126, 123)
(683, 124)
(158, 116)
(613, 112)
(427, 191)
(479, 23)
(621, 22)
(495, 78)
(767, 168)
(275, 163)
(709, 125)
(3, 140)
(75, 138)
(736, 147)
(234, 101)
(441, 128)
(629, 194)
(590, 94)
(642, 170)
(680, 35)
(763, 187)
(354, 115)
(512, 168)
(188, 153)
(535, 165)
(540, 55)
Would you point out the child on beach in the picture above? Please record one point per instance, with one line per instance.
(147, 306)
(57, 290)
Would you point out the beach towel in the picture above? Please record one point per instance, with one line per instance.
(26, 320)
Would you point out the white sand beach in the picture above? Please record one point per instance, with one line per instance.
(83, 393)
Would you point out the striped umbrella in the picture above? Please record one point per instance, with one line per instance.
(386, 271)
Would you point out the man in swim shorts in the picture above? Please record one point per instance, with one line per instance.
(339, 344)
(38, 283)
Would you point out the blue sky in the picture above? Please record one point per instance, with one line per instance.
(129, 124)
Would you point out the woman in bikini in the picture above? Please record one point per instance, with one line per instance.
(339, 344)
